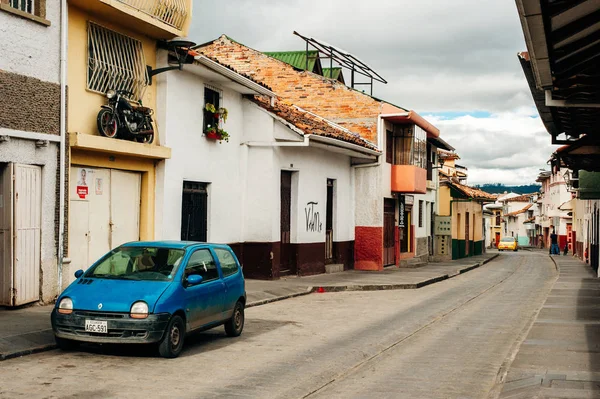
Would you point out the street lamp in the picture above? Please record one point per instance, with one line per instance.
(180, 48)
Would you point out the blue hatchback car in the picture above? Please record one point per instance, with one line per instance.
(152, 292)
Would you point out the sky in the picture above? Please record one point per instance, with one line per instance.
(455, 63)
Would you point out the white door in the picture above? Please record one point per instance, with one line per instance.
(27, 230)
(125, 188)
(104, 213)
(6, 248)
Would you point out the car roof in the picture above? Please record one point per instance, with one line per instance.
(173, 244)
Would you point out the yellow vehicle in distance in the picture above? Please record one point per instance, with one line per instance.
(508, 244)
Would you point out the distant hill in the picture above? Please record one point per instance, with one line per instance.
(498, 188)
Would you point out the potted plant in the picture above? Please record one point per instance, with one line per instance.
(215, 133)
(220, 113)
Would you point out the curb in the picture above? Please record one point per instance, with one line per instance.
(309, 290)
(25, 352)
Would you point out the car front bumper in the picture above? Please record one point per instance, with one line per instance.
(122, 329)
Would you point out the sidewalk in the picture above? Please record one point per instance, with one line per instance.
(560, 358)
(26, 331)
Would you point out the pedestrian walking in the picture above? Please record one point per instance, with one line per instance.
(554, 248)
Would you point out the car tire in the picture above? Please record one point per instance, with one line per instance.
(66, 344)
(171, 344)
(235, 325)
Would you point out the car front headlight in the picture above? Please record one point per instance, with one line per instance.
(111, 94)
(65, 306)
(139, 310)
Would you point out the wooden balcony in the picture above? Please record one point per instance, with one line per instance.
(409, 179)
(159, 19)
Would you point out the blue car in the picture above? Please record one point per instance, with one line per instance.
(152, 293)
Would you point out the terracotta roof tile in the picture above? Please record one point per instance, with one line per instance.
(474, 193)
(310, 123)
(329, 98)
(516, 213)
(521, 198)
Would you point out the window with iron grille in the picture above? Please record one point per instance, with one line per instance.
(420, 213)
(27, 6)
(115, 62)
(211, 96)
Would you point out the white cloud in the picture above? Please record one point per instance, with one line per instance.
(507, 147)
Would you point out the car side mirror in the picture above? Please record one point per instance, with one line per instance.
(78, 273)
(194, 279)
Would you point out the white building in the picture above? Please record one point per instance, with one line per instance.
(31, 124)
(281, 191)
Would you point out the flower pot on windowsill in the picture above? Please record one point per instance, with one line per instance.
(213, 135)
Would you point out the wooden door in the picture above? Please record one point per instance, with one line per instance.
(389, 224)
(286, 258)
(6, 234)
(497, 239)
(467, 235)
(27, 230)
(329, 223)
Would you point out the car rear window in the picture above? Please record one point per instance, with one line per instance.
(508, 239)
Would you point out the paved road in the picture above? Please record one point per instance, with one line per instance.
(449, 340)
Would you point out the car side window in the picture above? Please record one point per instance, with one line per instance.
(202, 263)
(228, 264)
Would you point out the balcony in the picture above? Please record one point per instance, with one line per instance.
(159, 19)
(409, 179)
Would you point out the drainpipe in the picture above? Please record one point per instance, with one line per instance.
(63, 133)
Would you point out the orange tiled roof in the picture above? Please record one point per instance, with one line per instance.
(516, 213)
(329, 98)
(530, 220)
(471, 192)
(521, 198)
(310, 123)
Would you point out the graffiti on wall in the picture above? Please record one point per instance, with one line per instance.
(313, 218)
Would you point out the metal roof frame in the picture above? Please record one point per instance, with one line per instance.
(344, 59)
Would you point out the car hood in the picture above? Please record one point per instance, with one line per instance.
(107, 295)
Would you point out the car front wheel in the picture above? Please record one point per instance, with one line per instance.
(66, 344)
(172, 342)
(235, 325)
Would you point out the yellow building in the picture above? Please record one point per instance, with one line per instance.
(461, 210)
(111, 44)
(464, 206)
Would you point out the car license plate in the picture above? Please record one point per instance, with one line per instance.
(95, 326)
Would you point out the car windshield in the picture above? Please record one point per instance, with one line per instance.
(138, 263)
(508, 239)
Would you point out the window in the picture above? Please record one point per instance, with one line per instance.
(421, 206)
(228, 263)
(410, 146)
(389, 147)
(34, 10)
(202, 263)
(23, 5)
(213, 97)
(498, 217)
(115, 62)
(194, 212)
(430, 162)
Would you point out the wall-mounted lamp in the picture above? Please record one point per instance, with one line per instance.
(441, 161)
(180, 50)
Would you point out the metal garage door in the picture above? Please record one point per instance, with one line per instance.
(104, 212)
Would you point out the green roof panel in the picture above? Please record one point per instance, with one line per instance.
(297, 59)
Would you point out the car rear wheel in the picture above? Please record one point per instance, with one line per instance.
(172, 342)
(235, 325)
(66, 344)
